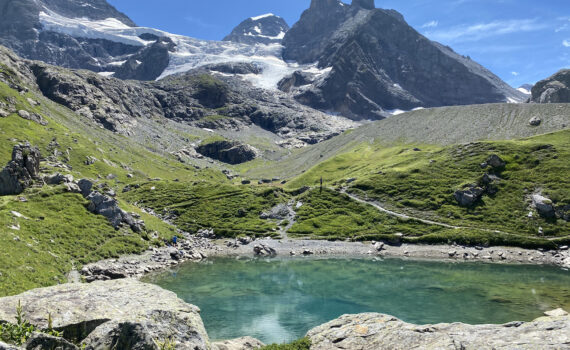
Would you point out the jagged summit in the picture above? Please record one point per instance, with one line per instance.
(377, 63)
(365, 4)
(263, 29)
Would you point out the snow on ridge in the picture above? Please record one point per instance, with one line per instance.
(263, 16)
(111, 28)
(188, 54)
(524, 91)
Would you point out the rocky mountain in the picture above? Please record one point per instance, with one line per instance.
(353, 60)
(376, 62)
(264, 29)
(555, 89)
(525, 89)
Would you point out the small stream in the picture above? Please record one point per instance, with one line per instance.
(278, 300)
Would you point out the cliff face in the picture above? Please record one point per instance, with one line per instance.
(379, 63)
(555, 89)
(265, 29)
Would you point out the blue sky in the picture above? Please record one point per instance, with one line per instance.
(522, 41)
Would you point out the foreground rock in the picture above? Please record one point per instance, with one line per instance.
(245, 343)
(21, 171)
(231, 152)
(125, 314)
(378, 331)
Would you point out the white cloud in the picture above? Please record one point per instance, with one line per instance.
(516, 74)
(484, 30)
(566, 43)
(431, 24)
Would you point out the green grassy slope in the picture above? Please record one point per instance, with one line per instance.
(437, 126)
(421, 182)
(59, 232)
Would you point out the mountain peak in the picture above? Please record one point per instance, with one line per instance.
(263, 29)
(322, 4)
(365, 4)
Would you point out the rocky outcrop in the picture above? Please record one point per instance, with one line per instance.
(21, 171)
(124, 314)
(230, 152)
(379, 63)
(543, 206)
(378, 331)
(264, 29)
(245, 343)
(555, 89)
(149, 63)
(469, 196)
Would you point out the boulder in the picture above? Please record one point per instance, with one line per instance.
(4, 346)
(21, 171)
(41, 341)
(109, 207)
(244, 343)
(123, 314)
(378, 331)
(3, 114)
(278, 212)
(231, 152)
(496, 162)
(32, 117)
(555, 89)
(264, 250)
(85, 186)
(544, 206)
(535, 121)
(468, 196)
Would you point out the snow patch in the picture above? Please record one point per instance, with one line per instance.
(524, 91)
(263, 16)
(106, 74)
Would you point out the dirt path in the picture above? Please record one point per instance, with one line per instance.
(430, 222)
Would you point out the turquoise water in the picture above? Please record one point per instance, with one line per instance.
(277, 300)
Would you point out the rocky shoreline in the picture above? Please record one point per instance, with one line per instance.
(196, 248)
(128, 314)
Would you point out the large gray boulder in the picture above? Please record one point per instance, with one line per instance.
(21, 171)
(123, 314)
(231, 152)
(378, 331)
(543, 205)
(469, 196)
(109, 207)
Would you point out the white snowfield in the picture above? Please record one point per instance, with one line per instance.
(189, 53)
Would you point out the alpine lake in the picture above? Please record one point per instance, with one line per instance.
(278, 300)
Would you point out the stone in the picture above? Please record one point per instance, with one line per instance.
(535, 121)
(378, 331)
(21, 171)
(41, 341)
(468, 196)
(32, 117)
(496, 162)
(90, 160)
(245, 182)
(85, 186)
(278, 212)
(231, 152)
(121, 314)
(379, 246)
(109, 207)
(543, 205)
(264, 250)
(4, 346)
(556, 313)
(244, 343)
(3, 113)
